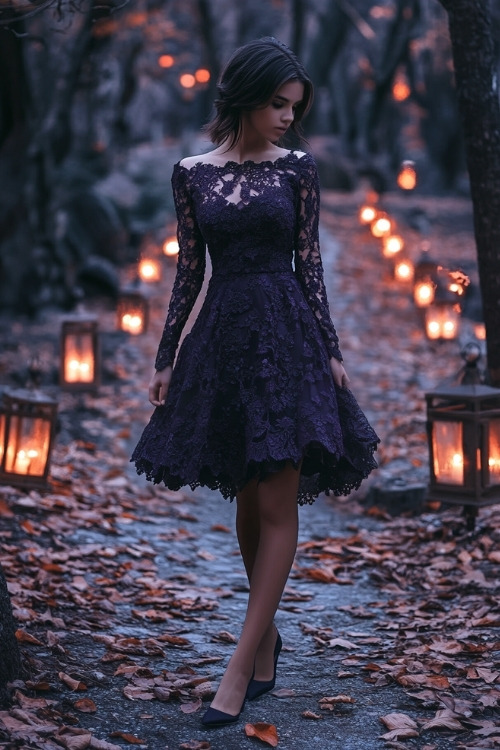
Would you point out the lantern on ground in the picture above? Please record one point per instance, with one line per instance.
(424, 292)
(403, 270)
(407, 176)
(132, 312)
(442, 320)
(171, 247)
(381, 226)
(27, 429)
(392, 244)
(367, 214)
(80, 360)
(463, 429)
(149, 270)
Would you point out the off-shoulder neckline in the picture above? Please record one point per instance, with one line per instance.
(247, 163)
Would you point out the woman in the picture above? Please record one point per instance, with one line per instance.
(257, 404)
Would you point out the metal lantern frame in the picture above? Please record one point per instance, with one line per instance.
(469, 414)
(130, 301)
(82, 333)
(28, 420)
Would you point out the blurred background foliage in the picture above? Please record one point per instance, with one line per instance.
(98, 99)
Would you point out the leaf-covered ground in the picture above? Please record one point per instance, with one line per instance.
(129, 597)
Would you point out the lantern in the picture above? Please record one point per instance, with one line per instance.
(367, 214)
(424, 292)
(171, 247)
(149, 270)
(80, 360)
(132, 312)
(463, 430)
(27, 429)
(381, 225)
(442, 320)
(392, 244)
(403, 270)
(407, 176)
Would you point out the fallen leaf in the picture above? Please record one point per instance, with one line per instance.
(128, 738)
(265, 732)
(444, 719)
(311, 715)
(191, 708)
(23, 637)
(85, 705)
(71, 682)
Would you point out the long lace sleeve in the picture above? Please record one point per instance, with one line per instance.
(190, 269)
(308, 265)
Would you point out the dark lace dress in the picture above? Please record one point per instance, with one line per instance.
(252, 387)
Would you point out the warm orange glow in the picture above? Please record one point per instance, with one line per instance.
(423, 293)
(400, 90)
(403, 270)
(132, 323)
(407, 177)
(165, 61)
(441, 322)
(381, 227)
(367, 214)
(171, 246)
(149, 270)
(79, 361)
(448, 452)
(392, 244)
(480, 331)
(187, 80)
(202, 75)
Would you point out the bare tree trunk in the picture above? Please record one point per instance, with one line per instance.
(10, 660)
(477, 87)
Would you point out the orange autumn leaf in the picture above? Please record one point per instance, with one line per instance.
(85, 705)
(128, 738)
(71, 682)
(265, 732)
(23, 637)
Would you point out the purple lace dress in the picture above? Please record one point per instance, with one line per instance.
(252, 387)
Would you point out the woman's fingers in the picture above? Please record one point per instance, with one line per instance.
(158, 387)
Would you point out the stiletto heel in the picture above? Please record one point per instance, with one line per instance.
(256, 688)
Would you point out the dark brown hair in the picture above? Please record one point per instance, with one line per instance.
(249, 80)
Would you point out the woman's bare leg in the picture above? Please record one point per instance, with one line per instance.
(248, 533)
(277, 517)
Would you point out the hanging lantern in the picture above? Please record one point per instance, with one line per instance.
(27, 428)
(149, 270)
(480, 331)
(407, 176)
(442, 321)
(463, 430)
(392, 244)
(171, 247)
(132, 312)
(80, 360)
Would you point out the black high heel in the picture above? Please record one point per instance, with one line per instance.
(256, 688)
(214, 718)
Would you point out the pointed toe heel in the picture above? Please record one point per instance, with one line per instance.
(256, 688)
(214, 718)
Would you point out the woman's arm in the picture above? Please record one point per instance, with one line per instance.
(309, 267)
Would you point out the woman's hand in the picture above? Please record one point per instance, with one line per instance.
(158, 386)
(339, 374)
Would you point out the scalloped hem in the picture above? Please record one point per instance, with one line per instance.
(340, 478)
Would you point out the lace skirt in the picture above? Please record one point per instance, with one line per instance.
(252, 390)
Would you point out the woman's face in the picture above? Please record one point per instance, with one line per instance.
(272, 121)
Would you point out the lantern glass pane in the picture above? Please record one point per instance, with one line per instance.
(28, 446)
(448, 452)
(79, 361)
(494, 452)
